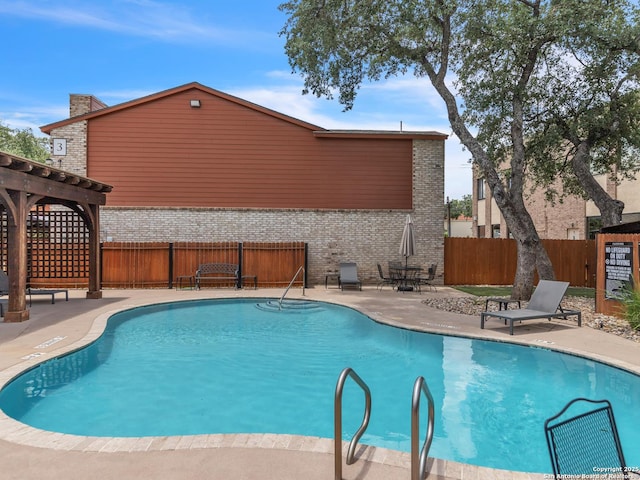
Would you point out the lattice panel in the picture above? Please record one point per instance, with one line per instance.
(57, 244)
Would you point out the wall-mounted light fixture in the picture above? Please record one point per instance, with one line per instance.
(49, 162)
(195, 103)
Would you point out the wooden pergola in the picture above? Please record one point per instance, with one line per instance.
(24, 184)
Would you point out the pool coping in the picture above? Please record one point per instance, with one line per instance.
(16, 432)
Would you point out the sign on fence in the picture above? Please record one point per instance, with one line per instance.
(618, 266)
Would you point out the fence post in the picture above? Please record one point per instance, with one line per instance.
(101, 260)
(306, 267)
(239, 281)
(170, 265)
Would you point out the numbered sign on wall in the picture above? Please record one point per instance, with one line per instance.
(59, 146)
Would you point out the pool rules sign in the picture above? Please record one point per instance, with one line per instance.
(618, 266)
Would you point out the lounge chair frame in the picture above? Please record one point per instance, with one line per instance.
(47, 291)
(349, 276)
(544, 303)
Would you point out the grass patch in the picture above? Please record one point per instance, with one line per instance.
(499, 291)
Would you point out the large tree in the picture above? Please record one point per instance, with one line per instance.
(589, 120)
(485, 58)
(24, 143)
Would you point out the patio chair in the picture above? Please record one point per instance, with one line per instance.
(428, 280)
(349, 276)
(587, 443)
(384, 280)
(4, 283)
(544, 303)
(47, 291)
(4, 290)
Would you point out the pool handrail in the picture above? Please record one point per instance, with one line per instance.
(337, 427)
(291, 283)
(419, 458)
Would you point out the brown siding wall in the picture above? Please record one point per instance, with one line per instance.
(226, 155)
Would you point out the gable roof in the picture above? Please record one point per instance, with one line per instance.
(172, 91)
(316, 130)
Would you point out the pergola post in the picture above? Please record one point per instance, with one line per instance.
(95, 290)
(17, 261)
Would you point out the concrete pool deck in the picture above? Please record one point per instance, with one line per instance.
(27, 453)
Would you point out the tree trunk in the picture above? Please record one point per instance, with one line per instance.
(532, 255)
(610, 209)
(531, 252)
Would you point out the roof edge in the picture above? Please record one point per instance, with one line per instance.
(172, 91)
(383, 134)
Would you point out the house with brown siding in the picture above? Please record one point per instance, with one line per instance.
(195, 164)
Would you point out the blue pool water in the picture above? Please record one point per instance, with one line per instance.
(225, 366)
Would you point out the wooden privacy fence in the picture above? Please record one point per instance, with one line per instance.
(492, 261)
(146, 265)
(159, 264)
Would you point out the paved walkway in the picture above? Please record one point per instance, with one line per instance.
(27, 453)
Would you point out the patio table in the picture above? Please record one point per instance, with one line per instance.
(405, 276)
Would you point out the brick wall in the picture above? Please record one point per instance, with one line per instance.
(75, 161)
(560, 220)
(365, 237)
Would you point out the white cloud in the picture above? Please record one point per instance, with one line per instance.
(33, 117)
(141, 18)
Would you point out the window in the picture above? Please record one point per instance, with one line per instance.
(480, 188)
(495, 231)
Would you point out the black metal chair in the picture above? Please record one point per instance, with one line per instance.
(428, 280)
(586, 443)
(384, 280)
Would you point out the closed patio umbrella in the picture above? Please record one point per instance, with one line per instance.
(408, 242)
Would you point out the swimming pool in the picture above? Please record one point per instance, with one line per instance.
(221, 366)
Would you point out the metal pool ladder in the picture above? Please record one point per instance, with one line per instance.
(301, 269)
(337, 427)
(419, 459)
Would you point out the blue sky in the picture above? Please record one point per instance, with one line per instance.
(119, 50)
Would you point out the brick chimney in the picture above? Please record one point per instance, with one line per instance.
(80, 104)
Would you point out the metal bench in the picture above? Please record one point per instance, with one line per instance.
(217, 273)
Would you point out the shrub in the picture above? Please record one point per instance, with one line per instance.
(630, 298)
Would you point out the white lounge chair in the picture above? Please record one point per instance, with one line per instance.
(544, 303)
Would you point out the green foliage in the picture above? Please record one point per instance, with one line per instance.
(459, 208)
(563, 75)
(23, 143)
(630, 299)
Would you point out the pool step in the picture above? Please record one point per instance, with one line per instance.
(288, 305)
